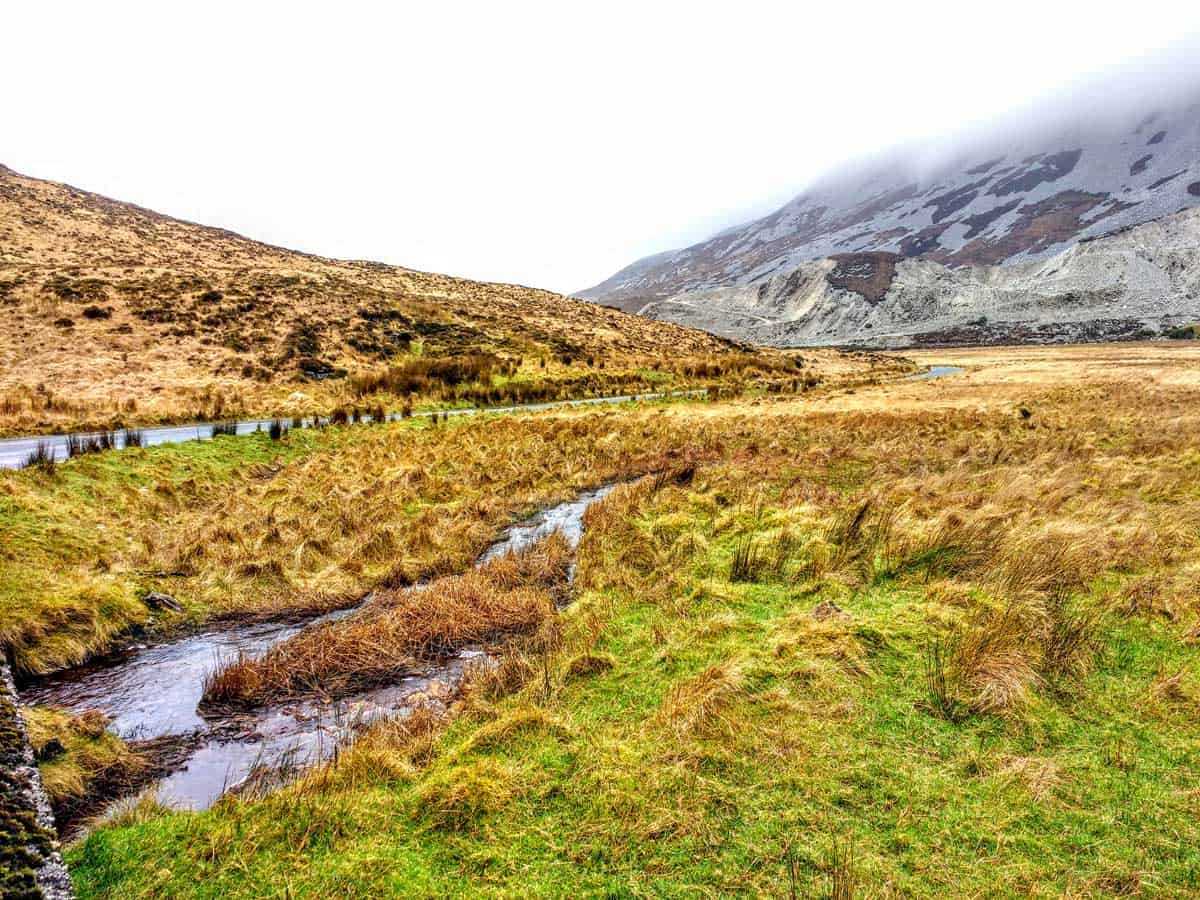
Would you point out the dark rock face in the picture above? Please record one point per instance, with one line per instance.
(1167, 179)
(950, 203)
(867, 274)
(979, 223)
(1194, 189)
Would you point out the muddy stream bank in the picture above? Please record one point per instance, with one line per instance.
(152, 692)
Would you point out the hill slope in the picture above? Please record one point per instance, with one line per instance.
(1021, 197)
(117, 310)
(1139, 283)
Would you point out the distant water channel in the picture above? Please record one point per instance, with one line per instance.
(935, 372)
(15, 452)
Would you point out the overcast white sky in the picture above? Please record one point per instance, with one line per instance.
(542, 143)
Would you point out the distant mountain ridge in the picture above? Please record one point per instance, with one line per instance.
(1010, 200)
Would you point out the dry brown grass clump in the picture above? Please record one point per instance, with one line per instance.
(507, 596)
(706, 702)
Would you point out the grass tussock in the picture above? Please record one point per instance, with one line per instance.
(705, 703)
(511, 595)
(455, 800)
(79, 760)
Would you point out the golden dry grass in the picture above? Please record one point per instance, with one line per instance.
(112, 313)
(507, 596)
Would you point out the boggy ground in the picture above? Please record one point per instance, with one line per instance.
(248, 525)
(925, 638)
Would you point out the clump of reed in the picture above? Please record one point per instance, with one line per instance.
(510, 595)
(42, 457)
(706, 703)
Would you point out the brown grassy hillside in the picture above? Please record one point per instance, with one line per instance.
(112, 312)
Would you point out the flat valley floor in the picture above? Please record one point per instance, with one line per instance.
(890, 638)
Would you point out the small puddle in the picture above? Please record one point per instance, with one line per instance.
(154, 691)
(935, 372)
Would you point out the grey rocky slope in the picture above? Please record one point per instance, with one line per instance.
(1016, 199)
(1141, 282)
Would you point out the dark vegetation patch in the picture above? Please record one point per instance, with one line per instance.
(1141, 165)
(1039, 226)
(97, 312)
(76, 288)
(8, 288)
(979, 223)
(996, 334)
(1183, 332)
(948, 204)
(304, 340)
(1166, 180)
(1049, 168)
(986, 166)
(318, 369)
(924, 241)
(869, 275)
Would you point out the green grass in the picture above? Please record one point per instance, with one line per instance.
(63, 593)
(735, 738)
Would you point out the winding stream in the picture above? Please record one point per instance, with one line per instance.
(154, 691)
(15, 452)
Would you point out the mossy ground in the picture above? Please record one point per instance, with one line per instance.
(79, 760)
(740, 699)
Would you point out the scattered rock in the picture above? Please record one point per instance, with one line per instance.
(827, 609)
(156, 600)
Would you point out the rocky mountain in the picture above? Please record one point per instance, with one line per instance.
(1022, 235)
(1139, 283)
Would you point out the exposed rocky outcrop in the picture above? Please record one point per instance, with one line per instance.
(30, 862)
(1138, 282)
